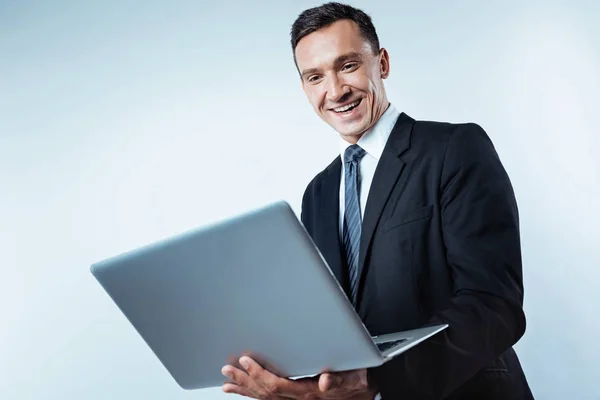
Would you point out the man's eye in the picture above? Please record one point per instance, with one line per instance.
(313, 78)
(349, 66)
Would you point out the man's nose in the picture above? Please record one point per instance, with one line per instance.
(336, 90)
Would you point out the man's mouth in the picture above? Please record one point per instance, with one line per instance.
(347, 108)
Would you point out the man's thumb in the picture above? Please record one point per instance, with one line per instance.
(329, 382)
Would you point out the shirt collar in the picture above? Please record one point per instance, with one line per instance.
(374, 140)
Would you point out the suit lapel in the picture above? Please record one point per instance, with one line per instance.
(330, 245)
(388, 172)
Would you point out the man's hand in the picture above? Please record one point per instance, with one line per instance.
(256, 382)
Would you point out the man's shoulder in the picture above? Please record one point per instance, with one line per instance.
(433, 137)
(445, 129)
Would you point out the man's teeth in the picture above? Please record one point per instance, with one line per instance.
(347, 107)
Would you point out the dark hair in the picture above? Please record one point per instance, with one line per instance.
(316, 18)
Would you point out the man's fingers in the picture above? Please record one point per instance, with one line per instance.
(274, 385)
(232, 388)
(242, 380)
(256, 382)
(270, 383)
(325, 383)
(350, 380)
(328, 382)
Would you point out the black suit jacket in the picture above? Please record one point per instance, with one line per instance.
(440, 244)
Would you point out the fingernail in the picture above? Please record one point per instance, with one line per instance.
(226, 373)
(244, 362)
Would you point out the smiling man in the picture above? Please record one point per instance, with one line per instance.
(419, 223)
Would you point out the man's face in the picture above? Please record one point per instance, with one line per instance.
(342, 76)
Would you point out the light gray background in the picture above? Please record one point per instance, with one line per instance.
(123, 122)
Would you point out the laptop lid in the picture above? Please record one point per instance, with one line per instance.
(254, 284)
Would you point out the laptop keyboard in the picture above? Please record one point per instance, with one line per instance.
(388, 345)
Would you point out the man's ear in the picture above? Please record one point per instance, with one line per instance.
(384, 63)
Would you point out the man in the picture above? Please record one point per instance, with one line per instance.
(419, 223)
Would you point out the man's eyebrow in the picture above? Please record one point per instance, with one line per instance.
(340, 60)
(309, 71)
(346, 57)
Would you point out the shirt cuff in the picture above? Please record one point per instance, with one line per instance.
(377, 396)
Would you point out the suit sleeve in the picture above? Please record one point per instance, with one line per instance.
(480, 227)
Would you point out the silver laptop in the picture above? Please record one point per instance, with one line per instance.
(255, 285)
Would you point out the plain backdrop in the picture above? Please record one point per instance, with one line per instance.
(123, 122)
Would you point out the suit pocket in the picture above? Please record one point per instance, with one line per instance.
(400, 218)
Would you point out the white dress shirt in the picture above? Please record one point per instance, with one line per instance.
(373, 142)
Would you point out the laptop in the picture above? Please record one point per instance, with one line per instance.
(254, 284)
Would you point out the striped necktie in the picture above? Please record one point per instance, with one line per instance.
(352, 216)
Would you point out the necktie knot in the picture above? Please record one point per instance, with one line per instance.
(354, 153)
